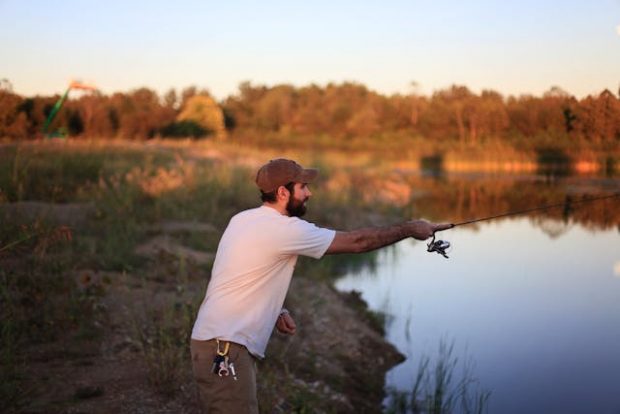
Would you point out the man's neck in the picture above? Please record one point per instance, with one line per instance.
(277, 207)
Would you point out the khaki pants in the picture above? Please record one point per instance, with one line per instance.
(225, 394)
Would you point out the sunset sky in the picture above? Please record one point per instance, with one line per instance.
(512, 47)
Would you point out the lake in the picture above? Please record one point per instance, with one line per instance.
(531, 302)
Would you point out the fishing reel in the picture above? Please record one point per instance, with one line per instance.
(438, 246)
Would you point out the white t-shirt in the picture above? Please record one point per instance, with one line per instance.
(251, 275)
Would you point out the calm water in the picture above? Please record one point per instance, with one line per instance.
(534, 303)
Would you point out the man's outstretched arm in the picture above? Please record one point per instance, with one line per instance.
(367, 239)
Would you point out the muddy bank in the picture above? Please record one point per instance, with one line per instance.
(339, 354)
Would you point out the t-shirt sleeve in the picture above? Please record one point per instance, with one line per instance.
(306, 239)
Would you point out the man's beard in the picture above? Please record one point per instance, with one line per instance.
(295, 208)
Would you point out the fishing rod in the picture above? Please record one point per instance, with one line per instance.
(440, 246)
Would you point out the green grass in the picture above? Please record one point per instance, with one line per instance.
(126, 192)
(42, 303)
(55, 174)
(12, 392)
(163, 337)
(437, 390)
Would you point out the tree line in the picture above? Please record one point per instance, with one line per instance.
(340, 111)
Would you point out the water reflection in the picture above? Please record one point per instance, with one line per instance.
(465, 196)
(535, 301)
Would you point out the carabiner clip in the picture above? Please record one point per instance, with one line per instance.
(226, 347)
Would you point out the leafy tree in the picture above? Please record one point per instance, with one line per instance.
(598, 118)
(13, 121)
(140, 114)
(339, 111)
(205, 112)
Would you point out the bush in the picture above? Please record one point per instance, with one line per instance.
(184, 129)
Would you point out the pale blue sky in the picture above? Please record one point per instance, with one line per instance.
(516, 47)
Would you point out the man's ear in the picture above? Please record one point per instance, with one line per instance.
(282, 192)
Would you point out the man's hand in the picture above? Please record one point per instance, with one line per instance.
(422, 229)
(285, 324)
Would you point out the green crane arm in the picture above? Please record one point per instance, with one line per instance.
(55, 110)
(61, 101)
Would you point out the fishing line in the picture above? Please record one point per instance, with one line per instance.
(440, 246)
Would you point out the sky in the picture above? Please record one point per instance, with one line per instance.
(515, 48)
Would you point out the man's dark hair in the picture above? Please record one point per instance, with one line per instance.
(271, 196)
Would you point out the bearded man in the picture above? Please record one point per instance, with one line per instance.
(251, 274)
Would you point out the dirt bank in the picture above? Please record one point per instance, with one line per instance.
(138, 361)
(336, 363)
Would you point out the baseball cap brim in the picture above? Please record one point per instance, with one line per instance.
(308, 175)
